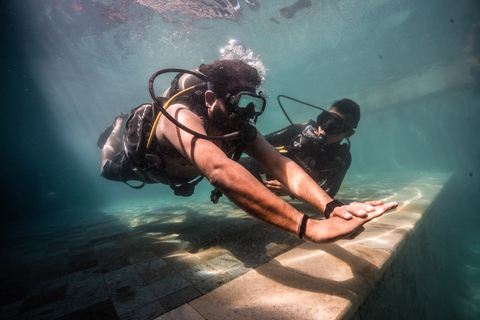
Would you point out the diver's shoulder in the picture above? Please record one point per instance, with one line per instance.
(180, 107)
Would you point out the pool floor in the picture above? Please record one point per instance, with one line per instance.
(188, 261)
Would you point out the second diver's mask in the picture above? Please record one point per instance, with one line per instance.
(332, 124)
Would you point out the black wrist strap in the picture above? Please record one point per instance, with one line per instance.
(302, 226)
(331, 206)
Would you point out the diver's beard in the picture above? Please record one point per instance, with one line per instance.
(224, 123)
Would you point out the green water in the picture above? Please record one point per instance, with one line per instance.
(69, 67)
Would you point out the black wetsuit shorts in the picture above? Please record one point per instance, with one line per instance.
(119, 168)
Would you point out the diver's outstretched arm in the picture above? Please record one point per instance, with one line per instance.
(302, 186)
(243, 189)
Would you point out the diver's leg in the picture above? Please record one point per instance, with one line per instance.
(115, 140)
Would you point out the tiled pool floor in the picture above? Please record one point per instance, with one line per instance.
(132, 267)
(141, 263)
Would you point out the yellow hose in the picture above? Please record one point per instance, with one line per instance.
(165, 106)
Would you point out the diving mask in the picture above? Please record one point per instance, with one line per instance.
(332, 124)
(246, 103)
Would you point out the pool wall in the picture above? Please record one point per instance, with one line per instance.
(420, 281)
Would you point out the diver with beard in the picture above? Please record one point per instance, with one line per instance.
(316, 147)
(176, 141)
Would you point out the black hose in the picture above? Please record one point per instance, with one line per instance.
(228, 137)
(302, 102)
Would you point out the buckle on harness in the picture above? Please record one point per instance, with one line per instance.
(186, 189)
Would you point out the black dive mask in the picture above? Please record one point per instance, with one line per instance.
(332, 124)
(245, 103)
(244, 107)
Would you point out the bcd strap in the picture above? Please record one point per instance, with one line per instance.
(135, 187)
(131, 186)
(186, 189)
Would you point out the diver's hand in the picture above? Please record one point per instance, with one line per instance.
(362, 209)
(333, 229)
(276, 187)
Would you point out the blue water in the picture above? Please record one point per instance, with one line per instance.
(69, 67)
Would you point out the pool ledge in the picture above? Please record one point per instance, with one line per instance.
(321, 281)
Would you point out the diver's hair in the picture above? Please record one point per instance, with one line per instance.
(222, 73)
(348, 108)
